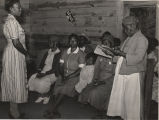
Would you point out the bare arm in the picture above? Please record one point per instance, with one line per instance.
(74, 74)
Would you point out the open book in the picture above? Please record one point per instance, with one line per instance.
(99, 48)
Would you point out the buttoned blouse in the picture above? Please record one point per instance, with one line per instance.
(72, 60)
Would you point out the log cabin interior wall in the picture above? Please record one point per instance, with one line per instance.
(48, 17)
(92, 17)
(45, 17)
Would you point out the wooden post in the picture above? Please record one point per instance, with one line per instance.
(148, 88)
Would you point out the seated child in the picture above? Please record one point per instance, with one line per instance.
(47, 75)
(87, 73)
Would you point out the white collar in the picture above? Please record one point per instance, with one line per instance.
(75, 52)
(83, 48)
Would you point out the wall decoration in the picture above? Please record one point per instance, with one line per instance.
(70, 16)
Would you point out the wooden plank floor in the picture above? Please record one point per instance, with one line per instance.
(69, 109)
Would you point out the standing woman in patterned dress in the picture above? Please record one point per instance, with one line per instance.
(14, 73)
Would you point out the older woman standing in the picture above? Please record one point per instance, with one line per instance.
(14, 73)
(126, 95)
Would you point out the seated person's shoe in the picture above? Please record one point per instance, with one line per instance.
(46, 100)
(39, 100)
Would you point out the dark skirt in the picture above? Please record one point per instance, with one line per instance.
(67, 88)
(97, 96)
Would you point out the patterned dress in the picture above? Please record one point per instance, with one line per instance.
(86, 76)
(14, 73)
(98, 96)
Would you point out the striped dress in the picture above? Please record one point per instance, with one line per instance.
(14, 73)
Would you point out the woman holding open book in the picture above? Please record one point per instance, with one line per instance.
(97, 93)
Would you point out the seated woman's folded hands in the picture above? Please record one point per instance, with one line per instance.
(40, 75)
(98, 82)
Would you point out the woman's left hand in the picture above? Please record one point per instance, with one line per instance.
(118, 52)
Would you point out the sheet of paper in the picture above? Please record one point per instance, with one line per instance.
(98, 51)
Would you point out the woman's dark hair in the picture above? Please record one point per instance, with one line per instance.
(91, 54)
(107, 34)
(9, 4)
(83, 41)
(54, 37)
(73, 36)
(104, 34)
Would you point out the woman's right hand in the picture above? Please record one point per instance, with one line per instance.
(40, 75)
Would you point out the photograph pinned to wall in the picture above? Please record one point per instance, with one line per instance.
(70, 17)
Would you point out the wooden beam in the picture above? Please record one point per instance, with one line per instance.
(104, 11)
(90, 31)
(85, 21)
(74, 4)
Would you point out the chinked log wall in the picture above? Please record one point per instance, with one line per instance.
(92, 17)
(47, 17)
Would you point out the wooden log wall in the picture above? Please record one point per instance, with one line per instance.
(92, 17)
(48, 17)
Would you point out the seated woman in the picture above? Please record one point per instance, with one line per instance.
(98, 92)
(71, 63)
(87, 72)
(47, 73)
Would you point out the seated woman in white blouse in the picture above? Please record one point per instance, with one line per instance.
(47, 74)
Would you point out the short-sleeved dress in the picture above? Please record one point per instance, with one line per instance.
(14, 72)
(98, 96)
(72, 61)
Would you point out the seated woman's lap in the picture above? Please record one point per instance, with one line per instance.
(97, 96)
(67, 87)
